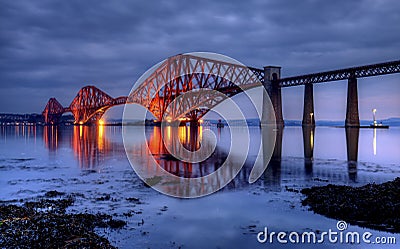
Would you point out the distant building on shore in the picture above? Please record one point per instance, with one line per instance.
(29, 119)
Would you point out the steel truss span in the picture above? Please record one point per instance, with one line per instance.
(53, 111)
(184, 73)
(88, 106)
(334, 75)
(342, 74)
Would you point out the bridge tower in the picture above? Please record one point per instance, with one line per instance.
(272, 74)
(352, 117)
(52, 112)
(308, 107)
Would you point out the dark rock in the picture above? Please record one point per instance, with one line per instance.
(134, 200)
(53, 193)
(116, 223)
(105, 197)
(373, 205)
(44, 224)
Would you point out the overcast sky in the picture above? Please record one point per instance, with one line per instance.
(53, 48)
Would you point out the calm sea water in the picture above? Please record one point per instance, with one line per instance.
(92, 161)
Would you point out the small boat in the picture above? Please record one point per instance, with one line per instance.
(220, 124)
(379, 125)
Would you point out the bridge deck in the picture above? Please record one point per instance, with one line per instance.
(90, 102)
(334, 75)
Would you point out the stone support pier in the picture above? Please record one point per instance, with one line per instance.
(271, 84)
(308, 111)
(352, 117)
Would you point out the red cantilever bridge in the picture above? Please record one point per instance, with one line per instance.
(183, 73)
(88, 106)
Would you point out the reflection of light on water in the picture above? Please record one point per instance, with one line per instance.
(374, 142)
(90, 145)
(169, 132)
(101, 131)
(100, 140)
(182, 134)
(56, 135)
(312, 139)
(155, 142)
(201, 132)
(50, 136)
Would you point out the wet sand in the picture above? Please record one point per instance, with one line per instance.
(157, 221)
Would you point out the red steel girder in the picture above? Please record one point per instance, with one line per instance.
(90, 104)
(183, 73)
(53, 111)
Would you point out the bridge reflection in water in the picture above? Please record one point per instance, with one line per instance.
(89, 143)
(191, 139)
(94, 146)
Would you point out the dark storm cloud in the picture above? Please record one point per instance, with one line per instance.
(53, 48)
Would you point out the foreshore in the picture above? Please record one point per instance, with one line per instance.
(44, 223)
(375, 206)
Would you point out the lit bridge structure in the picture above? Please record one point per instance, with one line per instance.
(88, 106)
(175, 77)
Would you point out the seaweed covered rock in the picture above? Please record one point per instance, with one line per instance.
(44, 224)
(373, 205)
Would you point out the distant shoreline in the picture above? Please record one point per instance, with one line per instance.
(37, 119)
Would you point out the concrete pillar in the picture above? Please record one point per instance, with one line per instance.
(272, 75)
(308, 108)
(194, 123)
(268, 112)
(277, 103)
(352, 117)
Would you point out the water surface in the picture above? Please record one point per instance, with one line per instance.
(92, 161)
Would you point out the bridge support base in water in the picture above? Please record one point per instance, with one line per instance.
(352, 117)
(271, 84)
(308, 111)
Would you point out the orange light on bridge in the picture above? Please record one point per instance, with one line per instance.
(101, 122)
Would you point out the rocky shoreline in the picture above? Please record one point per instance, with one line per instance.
(44, 223)
(375, 206)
